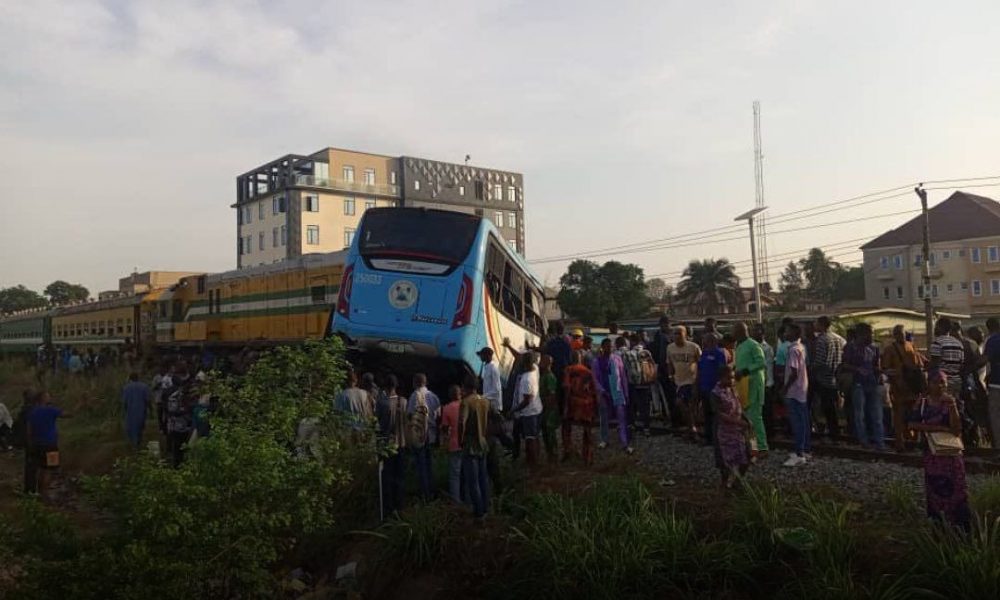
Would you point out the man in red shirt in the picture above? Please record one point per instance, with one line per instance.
(449, 425)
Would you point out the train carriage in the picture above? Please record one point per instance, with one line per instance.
(22, 333)
(426, 289)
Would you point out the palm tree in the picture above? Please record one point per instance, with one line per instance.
(820, 273)
(710, 286)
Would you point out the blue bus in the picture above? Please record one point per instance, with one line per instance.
(423, 290)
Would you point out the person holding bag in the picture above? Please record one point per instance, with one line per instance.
(938, 420)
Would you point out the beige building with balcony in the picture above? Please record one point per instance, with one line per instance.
(964, 260)
(302, 204)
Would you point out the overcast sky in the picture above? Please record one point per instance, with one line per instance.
(124, 124)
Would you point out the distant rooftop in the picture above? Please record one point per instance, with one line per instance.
(961, 216)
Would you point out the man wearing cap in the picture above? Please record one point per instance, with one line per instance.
(489, 374)
(577, 342)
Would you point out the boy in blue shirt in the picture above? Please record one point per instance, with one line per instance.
(712, 359)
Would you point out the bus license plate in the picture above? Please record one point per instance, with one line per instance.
(395, 347)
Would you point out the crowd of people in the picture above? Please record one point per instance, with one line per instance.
(731, 392)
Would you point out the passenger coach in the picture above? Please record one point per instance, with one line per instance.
(424, 290)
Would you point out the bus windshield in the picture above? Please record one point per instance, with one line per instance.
(419, 234)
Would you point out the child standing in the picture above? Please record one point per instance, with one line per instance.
(731, 455)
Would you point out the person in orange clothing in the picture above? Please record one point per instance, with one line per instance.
(576, 343)
(580, 407)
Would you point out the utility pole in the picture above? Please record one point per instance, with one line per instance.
(928, 308)
(748, 217)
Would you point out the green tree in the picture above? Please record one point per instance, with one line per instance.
(61, 292)
(791, 284)
(820, 273)
(711, 285)
(659, 291)
(599, 294)
(19, 298)
(850, 284)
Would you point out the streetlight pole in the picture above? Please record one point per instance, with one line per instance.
(748, 217)
(928, 307)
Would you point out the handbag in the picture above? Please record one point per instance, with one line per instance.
(942, 443)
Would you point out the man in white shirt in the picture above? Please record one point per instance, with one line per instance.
(490, 375)
(528, 406)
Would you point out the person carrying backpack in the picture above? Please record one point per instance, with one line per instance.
(642, 372)
(423, 411)
(472, 424)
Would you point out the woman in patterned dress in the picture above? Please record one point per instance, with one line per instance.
(731, 454)
(944, 476)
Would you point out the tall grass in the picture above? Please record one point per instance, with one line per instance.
(901, 498)
(418, 537)
(985, 497)
(614, 542)
(954, 564)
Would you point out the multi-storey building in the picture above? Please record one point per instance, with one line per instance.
(964, 259)
(300, 204)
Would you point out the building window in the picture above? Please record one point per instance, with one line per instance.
(461, 190)
(248, 244)
(369, 176)
(479, 191)
(318, 294)
(963, 285)
(392, 178)
(312, 235)
(883, 262)
(277, 204)
(993, 254)
(918, 260)
(995, 287)
(260, 211)
(977, 288)
(498, 218)
(898, 261)
(513, 245)
(950, 288)
(247, 215)
(885, 293)
(349, 206)
(934, 291)
(512, 193)
(284, 236)
(899, 292)
(920, 291)
(312, 203)
(348, 174)
(348, 236)
(946, 255)
(274, 237)
(416, 184)
(369, 204)
(497, 192)
(512, 220)
(933, 258)
(239, 246)
(974, 255)
(260, 241)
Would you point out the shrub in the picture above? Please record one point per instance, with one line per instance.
(954, 564)
(613, 542)
(985, 497)
(243, 498)
(901, 497)
(761, 513)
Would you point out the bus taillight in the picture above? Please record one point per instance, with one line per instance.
(463, 306)
(344, 297)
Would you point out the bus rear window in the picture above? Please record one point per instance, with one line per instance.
(418, 234)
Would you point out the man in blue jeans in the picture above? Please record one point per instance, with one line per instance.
(862, 359)
(426, 402)
(796, 395)
(472, 418)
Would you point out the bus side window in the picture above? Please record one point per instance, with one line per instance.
(512, 293)
(494, 274)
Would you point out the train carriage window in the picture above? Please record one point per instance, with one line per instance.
(201, 280)
(162, 310)
(119, 326)
(178, 309)
(318, 293)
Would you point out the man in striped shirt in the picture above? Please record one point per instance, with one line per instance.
(823, 364)
(948, 355)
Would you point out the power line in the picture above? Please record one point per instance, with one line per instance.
(655, 244)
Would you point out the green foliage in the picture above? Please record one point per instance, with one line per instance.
(613, 542)
(19, 298)
(760, 514)
(901, 497)
(792, 285)
(417, 538)
(849, 285)
(985, 497)
(711, 285)
(599, 294)
(242, 500)
(820, 274)
(951, 564)
(61, 292)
